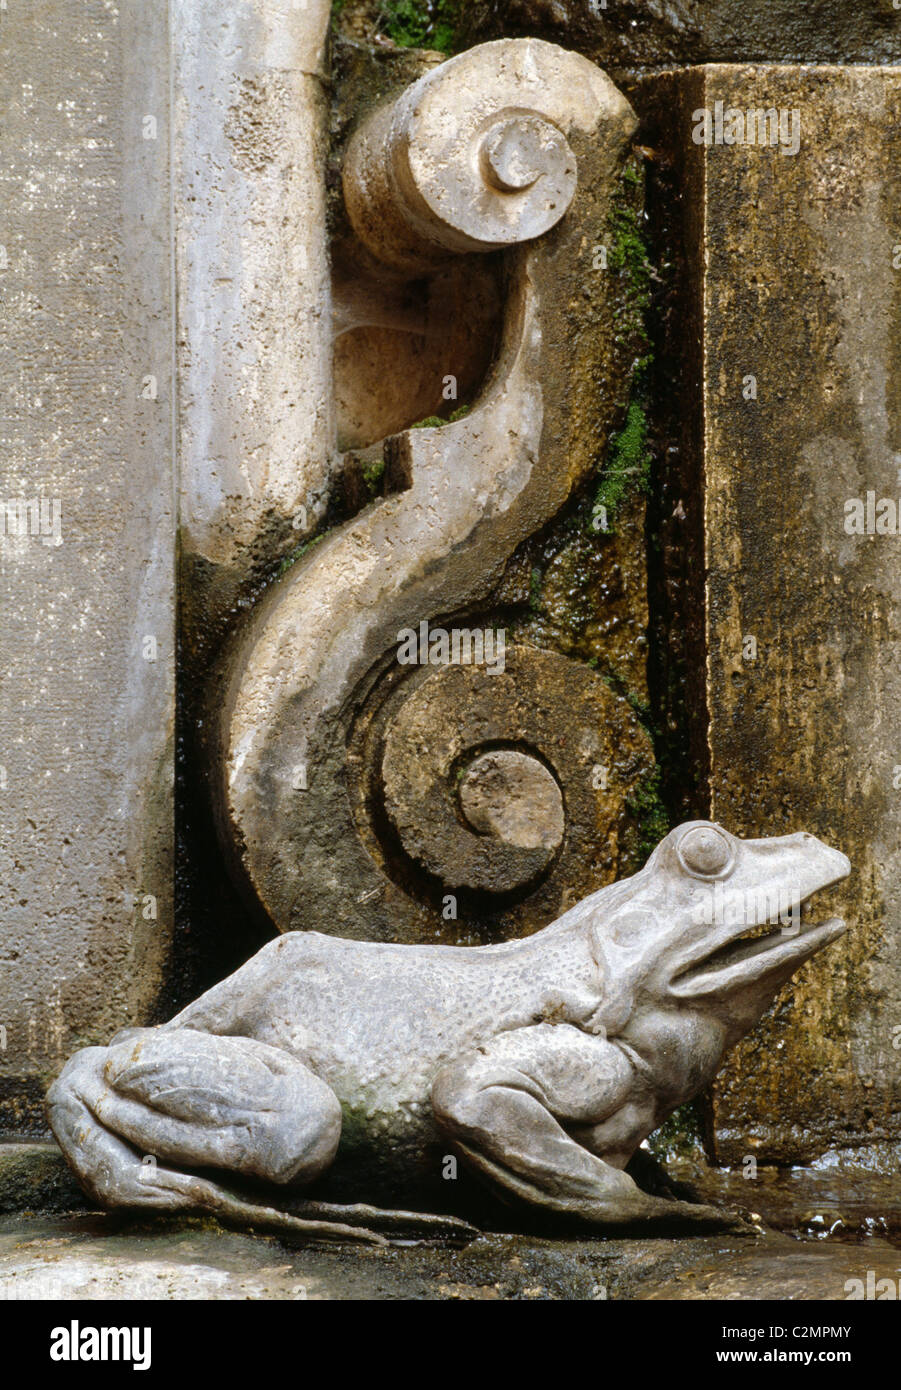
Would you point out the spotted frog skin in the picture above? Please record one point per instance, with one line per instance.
(541, 1063)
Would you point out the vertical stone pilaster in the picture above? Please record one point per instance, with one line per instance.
(87, 536)
(791, 333)
(254, 340)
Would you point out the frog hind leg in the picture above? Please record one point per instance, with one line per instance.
(134, 1118)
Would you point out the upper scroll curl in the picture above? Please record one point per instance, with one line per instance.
(474, 156)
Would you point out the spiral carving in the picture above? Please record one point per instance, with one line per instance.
(474, 156)
(358, 792)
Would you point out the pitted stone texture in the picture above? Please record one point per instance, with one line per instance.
(513, 797)
(789, 280)
(87, 641)
(256, 417)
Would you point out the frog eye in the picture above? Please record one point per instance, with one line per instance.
(705, 850)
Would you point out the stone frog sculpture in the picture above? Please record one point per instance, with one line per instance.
(542, 1062)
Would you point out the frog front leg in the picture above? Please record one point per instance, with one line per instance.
(512, 1109)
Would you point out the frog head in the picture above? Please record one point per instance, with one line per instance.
(718, 924)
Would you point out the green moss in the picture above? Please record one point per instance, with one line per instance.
(373, 473)
(432, 422)
(294, 555)
(421, 23)
(629, 465)
(628, 256)
(679, 1135)
(646, 804)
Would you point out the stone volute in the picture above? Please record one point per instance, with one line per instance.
(463, 161)
(453, 797)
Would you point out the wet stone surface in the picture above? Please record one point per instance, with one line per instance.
(817, 1231)
(90, 1256)
(836, 1201)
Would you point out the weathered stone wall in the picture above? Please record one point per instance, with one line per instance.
(630, 37)
(790, 329)
(86, 710)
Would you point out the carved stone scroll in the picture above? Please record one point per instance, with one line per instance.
(337, 766)
(474, 156)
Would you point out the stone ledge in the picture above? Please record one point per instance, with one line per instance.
(818, 1230)
(87, 1256)
(35, 1177)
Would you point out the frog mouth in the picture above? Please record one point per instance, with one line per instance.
(775, 947)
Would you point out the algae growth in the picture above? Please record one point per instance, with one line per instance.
(421, 23)
(373, 473)
(680, 1135)
(431, 422)
(627, 468)
(293, 556)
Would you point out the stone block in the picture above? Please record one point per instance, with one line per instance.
(87, 537)
(784, 186)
